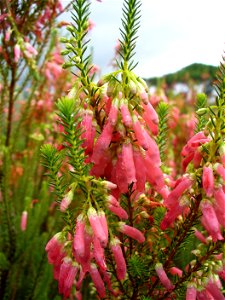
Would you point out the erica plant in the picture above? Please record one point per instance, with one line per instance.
(133, 229)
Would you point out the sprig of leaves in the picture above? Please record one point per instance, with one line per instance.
(162, 110)
(130, 26)
(70, 119)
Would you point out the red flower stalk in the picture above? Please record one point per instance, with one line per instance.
(97, 227)
(97, 280)
(163, 277)
(119, 259)
(132, 232)
(208, 180)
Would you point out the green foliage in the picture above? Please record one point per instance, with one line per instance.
(130, 23)
(137, 267)
(52, 159)
(162, 110)
(70, 120)
(201, 112)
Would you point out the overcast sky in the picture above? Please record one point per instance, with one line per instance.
(173, 34)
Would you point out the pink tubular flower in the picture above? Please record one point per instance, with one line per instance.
(97, 227)
(151, 113)
(171, 215)
(219, 205)
(163, 277)
(109, 185)
(140, 170)
(78, 241)
(113, 113)
(120, 174)
(118, 211)
(103, 221)
(102, 143)
(200, 236)
(208, 180)
(191, 293)
(184, 184)
(98, 253)
(214, 290)
(222, 154)
(125, 113)
(132, 232)
(176, 271)
(187, 148)
(23, 223)
(220, 170)
(69, 280)
(97, 280)
(210, 221)
(140, 134)
(63, 273)
(17, 53)
(128, 162)
(119, 259)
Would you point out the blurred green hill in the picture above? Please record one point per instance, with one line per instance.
(194, 73)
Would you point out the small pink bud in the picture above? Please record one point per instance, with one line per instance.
(151, 113)
(132, 232)
(17, 53)
(113, 113)
(176, 271)
(97, 280)
(208, 181)
(163, 277)
(191, 293)
(109, 185)
(119, 259)
(97, 227)
(200, 236)
(23, 223)
(118, 211)
(66, 201)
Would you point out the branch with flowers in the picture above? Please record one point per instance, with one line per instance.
(133, 227)
(143, 211)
